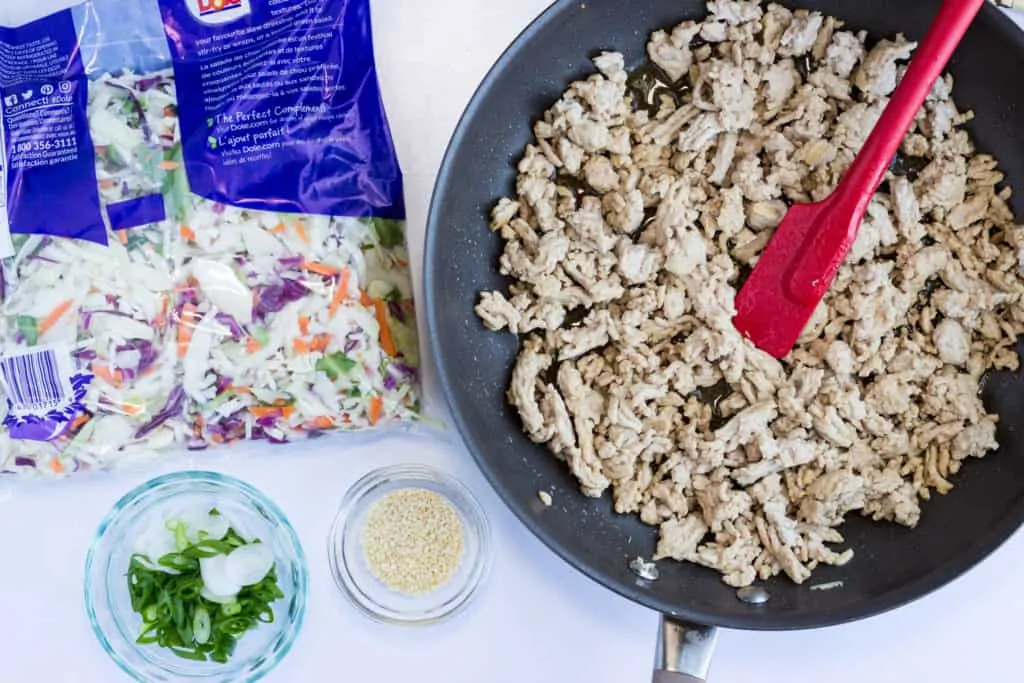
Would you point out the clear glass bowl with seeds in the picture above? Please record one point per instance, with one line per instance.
(410, 545)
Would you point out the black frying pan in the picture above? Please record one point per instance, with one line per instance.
(892, 565)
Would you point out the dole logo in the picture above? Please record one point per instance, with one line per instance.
(217, 11)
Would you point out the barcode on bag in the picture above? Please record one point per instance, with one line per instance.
(35, 381)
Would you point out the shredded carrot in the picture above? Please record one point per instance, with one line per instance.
(217, 438)
(102, 149)
(323, 422)
(260, 412)
(107, 183)
(123, 236)
(252, 346)
(320, 268)
(279, 228)
(169, 165)
(318, 343)
(386, 342)
(79, 422)
(161, 319)
(187, 233)
(401, 263)
(303, 235)
(57, 466)
(375, 409)
(112, 378)
(239, 390)
(131, 409)
(341, 291)
(304, 324)
(186, 327)
(47, 323)
(364, 298)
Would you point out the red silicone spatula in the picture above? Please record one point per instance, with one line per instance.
(799, 263)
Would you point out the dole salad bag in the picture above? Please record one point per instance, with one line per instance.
(202, 232)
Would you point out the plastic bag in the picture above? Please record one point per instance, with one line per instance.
(206, 232)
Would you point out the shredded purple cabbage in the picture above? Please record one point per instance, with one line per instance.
(292, 262)
(222, 384)
(230, 428)
(395, 309)
(272, 298)
(276, 439)
(147, 355)
(84, 354)
(405, 369)
(144, 84)
(188, 296)
(175, 402)
(229, 321)
(267, 421)
(24, 462)
(196, 444)
(147, 132)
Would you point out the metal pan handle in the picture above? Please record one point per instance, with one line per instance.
(684, 652)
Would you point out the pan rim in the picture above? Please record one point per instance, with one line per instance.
(993, 538)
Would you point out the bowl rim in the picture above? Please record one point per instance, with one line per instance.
(301, 597)
(407, 475)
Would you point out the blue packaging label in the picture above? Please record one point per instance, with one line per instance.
(280, 108)
(48, 158)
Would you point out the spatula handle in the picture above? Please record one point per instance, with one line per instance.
(930, 58)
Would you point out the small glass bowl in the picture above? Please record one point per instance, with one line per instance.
(357, 582)
(106, 588)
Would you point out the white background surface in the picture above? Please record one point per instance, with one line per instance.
(536, 620)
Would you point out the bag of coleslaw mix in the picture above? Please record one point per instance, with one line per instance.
(202, 232)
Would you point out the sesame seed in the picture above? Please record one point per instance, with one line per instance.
(545, 498)
(412, 541)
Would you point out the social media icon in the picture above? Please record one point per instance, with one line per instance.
(11, 100)
(65, 86)
(27, 95)
(46, 89)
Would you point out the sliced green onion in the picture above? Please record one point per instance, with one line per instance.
(174, 613)
(201, 626)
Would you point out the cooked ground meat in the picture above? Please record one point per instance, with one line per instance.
(747, 464)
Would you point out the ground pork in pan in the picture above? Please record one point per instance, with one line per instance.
(644, 200)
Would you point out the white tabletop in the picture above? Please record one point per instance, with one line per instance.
(536, 619)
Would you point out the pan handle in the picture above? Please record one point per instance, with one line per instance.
(684, 651)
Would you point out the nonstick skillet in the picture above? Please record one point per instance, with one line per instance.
(893, 565)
